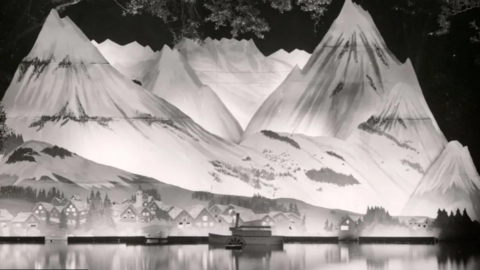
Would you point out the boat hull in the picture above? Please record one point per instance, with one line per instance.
(248, 240)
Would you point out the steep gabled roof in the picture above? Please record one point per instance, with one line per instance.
(22, 217)
(220, 206)
(162, 205)
(175, 211)
(47, 206)
(196, 210)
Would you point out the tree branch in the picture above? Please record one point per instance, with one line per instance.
(67, 4)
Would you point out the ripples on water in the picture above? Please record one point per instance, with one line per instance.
(203, 257)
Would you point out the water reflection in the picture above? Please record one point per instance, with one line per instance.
(203, 257)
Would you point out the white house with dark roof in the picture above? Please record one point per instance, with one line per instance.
(180, 218)
(42, 209)
(160, 208)
(25, 220)
(217, 209)
(202, 218)
(75, 208)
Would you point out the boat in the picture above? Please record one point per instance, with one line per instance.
(246, 235)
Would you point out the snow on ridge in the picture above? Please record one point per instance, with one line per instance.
(60, 40)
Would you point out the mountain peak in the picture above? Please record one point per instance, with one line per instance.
(61, 40)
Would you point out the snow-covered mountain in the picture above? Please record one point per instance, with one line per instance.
(293, 58)
(451, 182)
(401, 136)
(87, 107)
(37, 163)
(332, 172)
(237, 71)
(132, 60)
(344, 82)
(172, 79)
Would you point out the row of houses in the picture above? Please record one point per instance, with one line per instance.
(146, 209)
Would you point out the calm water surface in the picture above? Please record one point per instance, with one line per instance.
(203, 257)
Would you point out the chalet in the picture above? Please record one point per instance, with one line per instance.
(296, 220)
(42, 209)
(55, 213)
(118, 209)
(76, 197)
(129, 213)
(217, 209)
(142, 199)
(159, 209)
(25, 220)
(283, 223)
(263, 220)
(58, 201)
(420, 223)
(75, 208)
(144, 214)
(202, 217)
(347, 228)
(246, 215)
(180, 218)
(5, 218)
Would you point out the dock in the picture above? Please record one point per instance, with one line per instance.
(311, 239)
(22, 240)
(397, 240)
(106, 240)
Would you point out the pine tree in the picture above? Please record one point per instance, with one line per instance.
(304, 226)
(326, 225)
(466, 219)
(63, 220)
(92, 196)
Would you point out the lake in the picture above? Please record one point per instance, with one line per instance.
(203, 257)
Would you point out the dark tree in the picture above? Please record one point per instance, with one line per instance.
(47, 218)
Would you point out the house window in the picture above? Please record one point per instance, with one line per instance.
(39, 207)
(128, 212)
(271, 223)
(205, 224)
(36, 211)
(219, 221)
(18, 225)
(124, 216)
(132, 217)
(344, 228)
(348, 221)
(184, 219)
(204, 218)
(33, 225)
(211, 224)
(188, 224)
(264, 223)
(230, 211)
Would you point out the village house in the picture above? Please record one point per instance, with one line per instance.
(246, 215)
(55, 213)
(131, 213)
(419, 224)
(296, 220)
(159, 209)
(25, 220)
(5, 218)
(58, 201)
(347, 229)
(180, 218)
(217, 209)
(202, 217)
(42, 210)
(75, 208)
(76, 197)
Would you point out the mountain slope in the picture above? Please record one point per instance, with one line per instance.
(293, 58)
(87, 107)
(343, 83)
(237, 71)
(337, 174)
(451, 182)
(132, 60)
(172, 79)
(401, 136)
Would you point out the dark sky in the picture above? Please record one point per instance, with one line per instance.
(445, 66)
